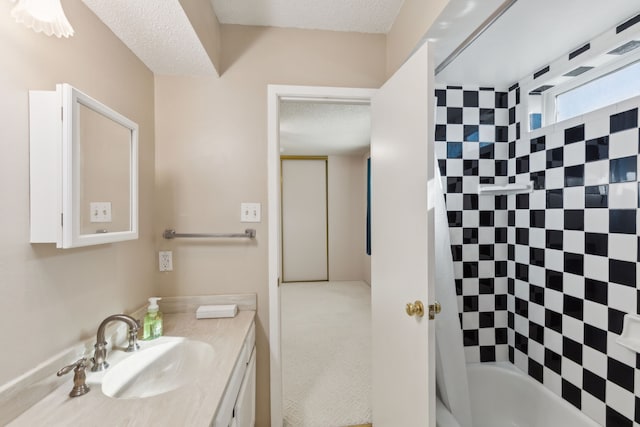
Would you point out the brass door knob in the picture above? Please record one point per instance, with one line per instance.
(415, 309)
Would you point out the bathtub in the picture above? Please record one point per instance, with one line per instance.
(502, 396)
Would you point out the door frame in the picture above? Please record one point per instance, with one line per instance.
(276, 93)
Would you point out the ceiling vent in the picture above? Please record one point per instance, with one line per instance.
(577, 71)
(539, 90)
(627, 47)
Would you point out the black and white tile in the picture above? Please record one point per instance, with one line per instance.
(471, 132)
(569, 298)
(544, 279)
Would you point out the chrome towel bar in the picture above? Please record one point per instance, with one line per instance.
(171, 234)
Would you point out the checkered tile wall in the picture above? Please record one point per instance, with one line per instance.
(544, 279)
(573, 253)
(471, 145)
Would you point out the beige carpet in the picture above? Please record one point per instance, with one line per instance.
(326, 354)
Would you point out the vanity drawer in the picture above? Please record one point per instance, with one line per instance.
(224, 416)
(244, 411)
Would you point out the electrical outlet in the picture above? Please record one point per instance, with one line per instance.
(249, 212)
(165, 259)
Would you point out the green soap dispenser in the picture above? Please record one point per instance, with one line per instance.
(152, 320)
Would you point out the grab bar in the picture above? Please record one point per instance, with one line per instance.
(171, 234)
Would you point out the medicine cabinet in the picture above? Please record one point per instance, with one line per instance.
(83, 170)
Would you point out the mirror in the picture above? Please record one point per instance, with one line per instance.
(94, 188)
(105, 174)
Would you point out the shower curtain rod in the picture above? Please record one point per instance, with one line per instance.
(475, 34)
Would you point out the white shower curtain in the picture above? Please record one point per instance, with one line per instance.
(451, 372)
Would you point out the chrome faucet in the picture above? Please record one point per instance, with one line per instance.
(100, 353)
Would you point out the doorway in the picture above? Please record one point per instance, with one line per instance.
(402, 171)
(325, 296)
(276, 95)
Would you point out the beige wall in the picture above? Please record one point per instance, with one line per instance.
(347, 217)
(211, 155)
(411, 24)
(50, 298)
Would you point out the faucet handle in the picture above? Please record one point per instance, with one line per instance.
(133, 339)
(79, 377)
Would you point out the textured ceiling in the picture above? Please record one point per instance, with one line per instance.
(527, 37)
(364, 16)
(530, 34)
(158, 32)
(320, 128)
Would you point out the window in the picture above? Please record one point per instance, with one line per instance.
(621, 84)
(607, 76)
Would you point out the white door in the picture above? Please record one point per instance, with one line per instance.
(305, 256)
(402, 267)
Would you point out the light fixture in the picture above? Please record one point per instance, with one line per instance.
(44, 16)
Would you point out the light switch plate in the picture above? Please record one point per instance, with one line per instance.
(249, 212)
(100, 211)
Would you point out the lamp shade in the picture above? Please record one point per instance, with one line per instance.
(44, 16)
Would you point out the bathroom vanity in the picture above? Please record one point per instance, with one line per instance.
(220, 393)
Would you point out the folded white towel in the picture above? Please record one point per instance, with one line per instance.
(216, 311)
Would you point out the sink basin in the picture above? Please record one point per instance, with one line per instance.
(164, 365)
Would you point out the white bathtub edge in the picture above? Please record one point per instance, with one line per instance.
(509, 372)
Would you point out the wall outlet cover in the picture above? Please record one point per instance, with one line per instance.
(165, 260)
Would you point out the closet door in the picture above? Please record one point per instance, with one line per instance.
(304, 220)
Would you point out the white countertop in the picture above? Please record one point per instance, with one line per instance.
(193, 405)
